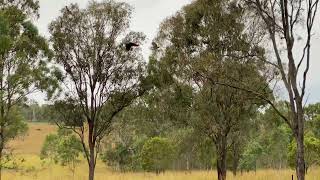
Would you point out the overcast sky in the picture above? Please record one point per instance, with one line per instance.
(147, 16)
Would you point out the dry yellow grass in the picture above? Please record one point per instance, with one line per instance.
(32, 142)
(32, 168)
(54, 172)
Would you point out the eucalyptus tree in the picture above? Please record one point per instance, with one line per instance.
(203, 44)
(219, 116)
(102, 77)
(23, 65)
(286, 23)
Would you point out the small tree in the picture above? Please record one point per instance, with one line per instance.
(157, 154)
(64, 148)
(102, 75)
(49, 147)
(120, 156)
(250, 156)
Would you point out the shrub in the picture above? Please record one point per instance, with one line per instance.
(64, 148)
(157, 154)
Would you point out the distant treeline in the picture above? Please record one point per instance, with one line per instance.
(265, 141)
(36, 113)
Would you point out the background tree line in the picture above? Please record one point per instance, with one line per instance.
(265, 142)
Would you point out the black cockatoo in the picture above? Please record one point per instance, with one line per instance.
(129, 45)
(155, 46)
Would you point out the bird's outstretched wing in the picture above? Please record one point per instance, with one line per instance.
(130, 45)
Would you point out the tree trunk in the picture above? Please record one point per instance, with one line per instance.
(91, 163)
(234, 167)
(235, 158)
(188, 168)
(1, 152)
(299, 135)
(0, 164)
(307, 169)
(91, 143)
(221, 147)
(300, 165)
(221, 167)
(91, 170)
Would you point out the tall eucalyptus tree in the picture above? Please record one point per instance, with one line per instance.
(203, 44)
(101, 75)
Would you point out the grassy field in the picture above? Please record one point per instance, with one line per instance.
(27, 151)
(32, 142)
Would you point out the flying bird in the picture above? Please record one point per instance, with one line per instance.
(68, 10)
(155, 46)
(130, 45)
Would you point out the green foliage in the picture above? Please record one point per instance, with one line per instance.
(24, 55)
(193, 150)
(153, 116)
(106, 77)
(49, 147)
(27, 53)
(124, 156)
(157, 154)
(268, 142)
(13, 126)
(67, 113)
(250, 156)
(120, 156)
(69, 150)
(312, 151)
(63, 148)
(29, 7)
(314, 125)
(38, 113)
(312, 112)
(203, 61)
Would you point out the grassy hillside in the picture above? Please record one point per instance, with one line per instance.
(32, 142)
(27, 151)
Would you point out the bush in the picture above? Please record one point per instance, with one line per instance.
(157, 154)
(120, 157)
(64, 148)
(124, 157)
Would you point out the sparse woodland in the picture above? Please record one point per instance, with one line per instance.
(224, 88)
